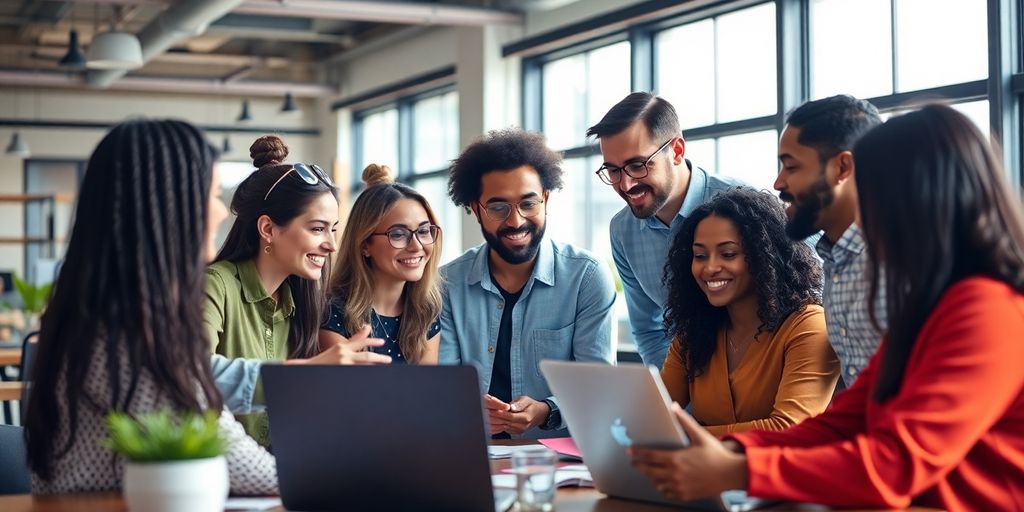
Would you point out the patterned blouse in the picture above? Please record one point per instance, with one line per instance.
(383, 327)
(88, 466)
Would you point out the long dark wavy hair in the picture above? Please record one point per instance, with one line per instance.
(785, 273)
(936, 208)
(131, 282)
(290, 199)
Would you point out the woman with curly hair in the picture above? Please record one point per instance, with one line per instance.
(750, 349)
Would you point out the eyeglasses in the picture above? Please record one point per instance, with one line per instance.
(310, 173)
(400, 237)
(636, 169)
(500, 210)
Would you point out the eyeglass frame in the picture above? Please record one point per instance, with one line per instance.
(514, 205)
(309, 173)
(412, 233)
(607, 180)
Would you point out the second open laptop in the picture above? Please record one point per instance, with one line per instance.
(380, 438)
(608, 408)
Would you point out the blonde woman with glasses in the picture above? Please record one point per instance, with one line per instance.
(386, 276)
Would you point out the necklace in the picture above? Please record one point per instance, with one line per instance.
(380, 323)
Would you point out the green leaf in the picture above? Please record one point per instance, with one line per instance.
(164, 436)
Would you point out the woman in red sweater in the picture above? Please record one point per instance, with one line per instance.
(937, 417)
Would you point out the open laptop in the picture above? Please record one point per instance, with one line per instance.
(393, 437)
(608, 408)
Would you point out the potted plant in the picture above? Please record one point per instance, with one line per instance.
(173, 463)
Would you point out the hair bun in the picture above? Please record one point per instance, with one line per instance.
(375, 174)
(268, 150)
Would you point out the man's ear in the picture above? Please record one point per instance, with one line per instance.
(545, 195)
(475, 207)
(844, 166)
(678, 151)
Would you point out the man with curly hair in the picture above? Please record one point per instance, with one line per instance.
(816, 181)
(520, 297)
(644, 161)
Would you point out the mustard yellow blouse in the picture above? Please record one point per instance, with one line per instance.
(778, 383)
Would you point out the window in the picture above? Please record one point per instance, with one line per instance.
(578, 90)
(936, 43)
(378, 141)
(719, 69)
(419, 159)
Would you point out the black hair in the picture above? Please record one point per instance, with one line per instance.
(785, 273)
(935, 208)
(131, 282)
(502, 150)
(288, 200)
(657, 114)
(834, 124)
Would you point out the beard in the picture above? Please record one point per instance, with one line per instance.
(518, 255)
(658, 201)
(807, 207)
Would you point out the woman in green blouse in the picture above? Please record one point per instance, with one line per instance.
(264, 291)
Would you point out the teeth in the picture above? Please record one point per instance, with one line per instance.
(715, 285)
(637, 195)
(411, 261)
(516, 236)
(319, 260)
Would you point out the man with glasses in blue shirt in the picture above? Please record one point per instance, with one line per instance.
(519, 298)
(643, 150)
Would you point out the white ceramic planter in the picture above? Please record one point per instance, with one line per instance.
(179, 486)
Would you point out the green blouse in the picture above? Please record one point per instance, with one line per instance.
(243, 320)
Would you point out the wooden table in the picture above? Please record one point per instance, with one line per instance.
(10, 391)
(568, 499)
(10, 357)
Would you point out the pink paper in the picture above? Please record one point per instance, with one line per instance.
(562, 445)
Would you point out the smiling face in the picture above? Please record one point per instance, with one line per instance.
(719, 264)
(408, 263)
(302, 246)
(515, 239)
(803, 184)
(645, 196)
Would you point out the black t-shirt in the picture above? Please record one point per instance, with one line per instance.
(501, 373)
(383, 327)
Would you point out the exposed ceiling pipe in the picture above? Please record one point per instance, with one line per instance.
(365, 10)
(179, 22)
(172, 85)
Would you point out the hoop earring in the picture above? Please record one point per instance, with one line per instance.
(267, 248)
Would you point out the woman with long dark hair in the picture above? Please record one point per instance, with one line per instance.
(386, 274)
(123, 330)
(937, 417)
(265, 290)
(750, 349)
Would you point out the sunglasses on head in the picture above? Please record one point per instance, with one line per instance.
(309, 173)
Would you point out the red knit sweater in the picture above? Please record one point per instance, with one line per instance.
(953, 437)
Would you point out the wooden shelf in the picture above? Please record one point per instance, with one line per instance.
(60, 197)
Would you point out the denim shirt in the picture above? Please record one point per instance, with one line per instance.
(639, 249)
(236, 380)
(564, 313)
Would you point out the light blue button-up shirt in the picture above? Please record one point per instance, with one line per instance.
(236, 380)
(639, 248)
(563, 313)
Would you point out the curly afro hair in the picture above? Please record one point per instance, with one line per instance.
(786, 274)
(502, 150)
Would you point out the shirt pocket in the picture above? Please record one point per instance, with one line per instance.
(550, 344)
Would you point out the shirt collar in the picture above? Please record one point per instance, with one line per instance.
(849, 245)
(252, 287)
(543, 270)
(696, 195)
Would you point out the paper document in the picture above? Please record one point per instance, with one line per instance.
(505, 452)
(250, 503)
(575, 475)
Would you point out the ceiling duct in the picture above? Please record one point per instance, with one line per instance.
(179, 22)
